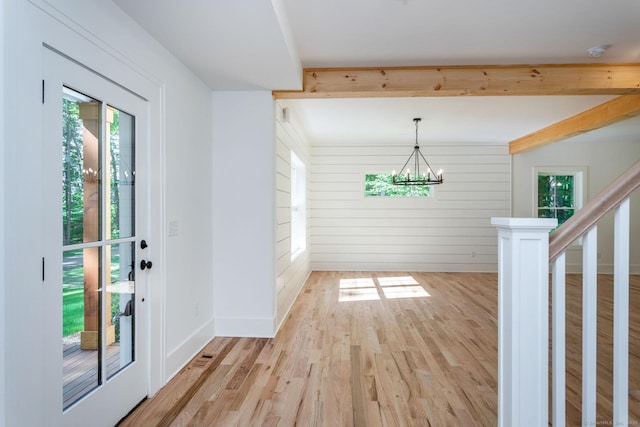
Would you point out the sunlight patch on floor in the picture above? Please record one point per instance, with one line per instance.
(397, 281)
(360, 289)
(368, 288)
(401, 287)
(363, 282)
(358, 295)
(405, 292)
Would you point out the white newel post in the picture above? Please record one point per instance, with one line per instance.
(523, 320)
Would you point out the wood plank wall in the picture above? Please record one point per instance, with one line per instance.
(290, 276)
(449, 232)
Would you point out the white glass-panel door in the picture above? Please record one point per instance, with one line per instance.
(96, 335)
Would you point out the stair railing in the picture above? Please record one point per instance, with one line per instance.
(524, 253)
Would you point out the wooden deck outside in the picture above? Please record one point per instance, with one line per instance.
(372, 349)
(80, 370)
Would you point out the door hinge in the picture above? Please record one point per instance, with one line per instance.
(43, 91)
(43, 269)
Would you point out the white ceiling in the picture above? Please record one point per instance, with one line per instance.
(256, 44)
(230, 45)
(485, 120)
(332, 33)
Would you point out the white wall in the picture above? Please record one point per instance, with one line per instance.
(2, 238)
(450, 232)
(290, 276)
(244, 213)
(189, 272)
(605, 160)
(180, 111)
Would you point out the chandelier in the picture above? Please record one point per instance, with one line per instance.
(428, 177)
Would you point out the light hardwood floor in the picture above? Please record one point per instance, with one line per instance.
(376, 349)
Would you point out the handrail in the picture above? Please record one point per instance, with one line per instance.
(584, 219)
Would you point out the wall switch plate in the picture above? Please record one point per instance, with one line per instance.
(173, 228)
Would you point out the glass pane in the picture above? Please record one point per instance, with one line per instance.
(121, 173)
(80, 323)
(564, 191)
(87, 327)
(544, 191)
(81, 177)
(120, 299)
(546, 213)
(564, 214)
(556, 191)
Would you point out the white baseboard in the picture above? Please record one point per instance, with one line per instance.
(254, 328)
(178, 357)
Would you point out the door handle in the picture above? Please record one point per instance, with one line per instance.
(145, 264)
(128, 311)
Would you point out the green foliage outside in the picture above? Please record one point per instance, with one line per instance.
(72, 293)
(381, 185)
(72, 310)
(115, 173)
(72, 191)
(556, 197)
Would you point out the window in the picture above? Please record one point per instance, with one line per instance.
(559, 192)
(381, 185)
(298, 207)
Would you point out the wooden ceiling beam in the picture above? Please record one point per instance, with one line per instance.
(489, 80)
(616, 110)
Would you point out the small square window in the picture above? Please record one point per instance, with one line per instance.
(559, 192)
(381, 185)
